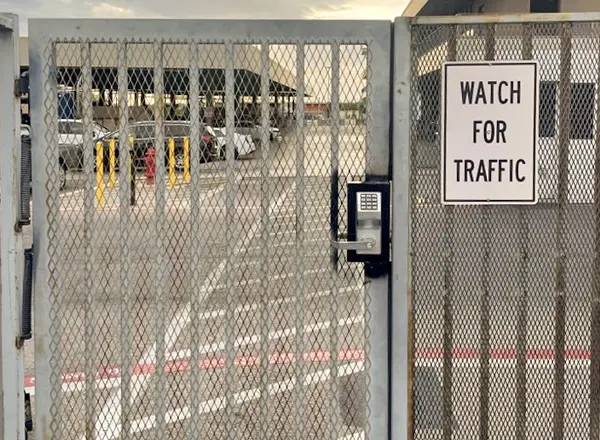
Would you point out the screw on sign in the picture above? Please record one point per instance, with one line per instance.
(489, 133)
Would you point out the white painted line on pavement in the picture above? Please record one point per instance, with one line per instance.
(109, 419)
(325, 221)
(255, 339)
(214, 405)
(173, 200)
(75, 382)
(66, 193)
(220, 313)
(290, 232)
(356, 436)
(291, 243)
(107, 383)
(282, 276)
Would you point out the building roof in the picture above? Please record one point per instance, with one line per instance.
(435, 7)
(413, 8)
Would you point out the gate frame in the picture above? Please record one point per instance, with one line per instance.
(377, 34)
(12, 414)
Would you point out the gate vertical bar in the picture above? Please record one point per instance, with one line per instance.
(231, 237)
(335, 146)
(196, 396)
(484, 363)
(265, 312)
(378, 138)
(594, 422)
(401, 202)
(563, 181)
(299, 243)
(43, 99)
(448, 332)
(334, 177)
(125, 183)
(159, 230)
(11, 249)
(90, 237)
(521, 404)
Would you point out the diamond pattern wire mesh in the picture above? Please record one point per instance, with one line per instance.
(197, 298)
(503, 327)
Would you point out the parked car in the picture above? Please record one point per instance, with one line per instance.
(255, 131)
(243, 143)
(65, 156)
(70, 144)
(70, 131)
(144, 135)
(274, 133)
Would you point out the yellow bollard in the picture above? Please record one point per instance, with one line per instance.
(186, 160)
(112, 176)
(100, 174)
(171, 163)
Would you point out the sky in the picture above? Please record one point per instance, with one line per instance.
(284, 9)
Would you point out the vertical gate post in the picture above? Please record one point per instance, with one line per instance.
(401, 290)
(11, 242)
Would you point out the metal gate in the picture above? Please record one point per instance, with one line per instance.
(504, 299)
(185, 285)
(188, 177)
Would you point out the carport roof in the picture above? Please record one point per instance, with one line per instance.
(176, 63)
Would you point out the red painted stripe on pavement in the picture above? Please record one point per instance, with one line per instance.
(210, 363)
(218, 362)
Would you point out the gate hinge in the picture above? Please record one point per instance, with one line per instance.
(25, 184)
(26, 306)
(21, 86)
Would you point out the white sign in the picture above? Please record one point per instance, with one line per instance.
(489, 132)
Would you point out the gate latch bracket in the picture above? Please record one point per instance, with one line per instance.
(21, 86)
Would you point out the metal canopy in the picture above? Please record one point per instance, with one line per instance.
(175, 80)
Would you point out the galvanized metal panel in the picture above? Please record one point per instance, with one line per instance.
(210, 282)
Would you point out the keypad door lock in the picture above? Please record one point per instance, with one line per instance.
(368, 222)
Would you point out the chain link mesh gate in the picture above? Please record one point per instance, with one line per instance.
(185, 285)
(506, 299)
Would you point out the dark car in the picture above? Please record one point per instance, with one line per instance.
(144, 137)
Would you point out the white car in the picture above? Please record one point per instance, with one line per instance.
(274, 133)
(243, 143)
(70, 131)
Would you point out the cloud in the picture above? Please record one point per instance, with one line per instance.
(108, 10)
(358, 10)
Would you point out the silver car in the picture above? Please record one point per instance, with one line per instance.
(255, 131)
